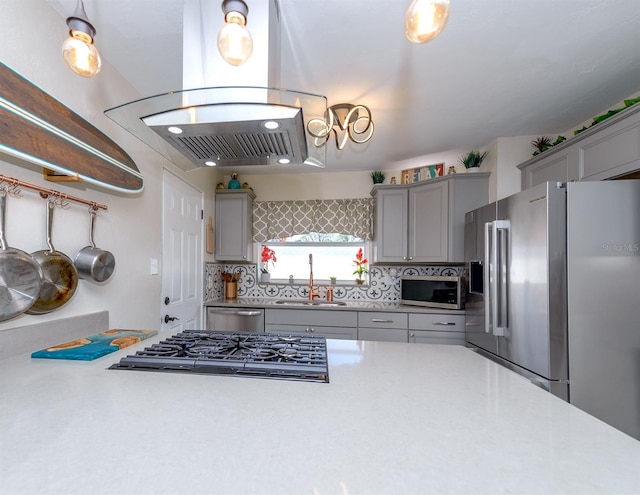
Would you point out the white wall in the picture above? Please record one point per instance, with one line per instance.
(505, 153)
(289, 187)
(31, 34)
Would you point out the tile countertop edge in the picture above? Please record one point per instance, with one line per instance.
(351, 304)
(449, 421)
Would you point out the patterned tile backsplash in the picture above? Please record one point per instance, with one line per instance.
(384, 283)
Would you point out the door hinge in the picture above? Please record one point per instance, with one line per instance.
(201, 214)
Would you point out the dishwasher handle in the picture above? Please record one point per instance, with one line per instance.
(248, 313)
(238, 312)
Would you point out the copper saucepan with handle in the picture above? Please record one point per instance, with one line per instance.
(60, 278)
(20, 275)
(91, 262)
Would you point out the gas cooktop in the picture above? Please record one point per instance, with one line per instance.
(259, 355)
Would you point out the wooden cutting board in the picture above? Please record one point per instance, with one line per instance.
(36, 127)
(94, 346)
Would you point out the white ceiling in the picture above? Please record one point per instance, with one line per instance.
(499, 68)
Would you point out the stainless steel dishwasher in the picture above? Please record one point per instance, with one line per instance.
(235, 319)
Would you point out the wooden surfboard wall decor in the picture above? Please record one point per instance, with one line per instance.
(37, 128)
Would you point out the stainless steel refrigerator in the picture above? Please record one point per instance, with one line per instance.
(554, 292)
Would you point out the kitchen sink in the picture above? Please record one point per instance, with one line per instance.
(306, 302)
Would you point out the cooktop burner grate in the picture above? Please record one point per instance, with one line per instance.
(259, 355)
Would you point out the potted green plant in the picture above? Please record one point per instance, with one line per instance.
(333, 280)
(290, 279)
(378, 176)
(543, 143)
(473, 160)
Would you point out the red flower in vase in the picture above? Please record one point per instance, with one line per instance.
(267, 255)
(361, 264)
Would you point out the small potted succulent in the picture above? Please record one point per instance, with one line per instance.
(473, 160)
(290, 279)
(333, 280)
(378, 176)
(543, 143)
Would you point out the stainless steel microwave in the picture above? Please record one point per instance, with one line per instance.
(433, 291)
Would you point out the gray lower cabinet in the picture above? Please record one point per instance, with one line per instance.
(327, 323)
(436, 328)
(383, 326)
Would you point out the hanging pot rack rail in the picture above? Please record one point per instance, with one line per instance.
(45, 193)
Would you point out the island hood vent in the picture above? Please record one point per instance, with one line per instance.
(228, 116)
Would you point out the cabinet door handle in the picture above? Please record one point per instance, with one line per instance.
(308, 330)
(380, 320)
(412, 334)
(443, 323)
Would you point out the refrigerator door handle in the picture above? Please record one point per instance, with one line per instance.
(500, 303)
(487, 289)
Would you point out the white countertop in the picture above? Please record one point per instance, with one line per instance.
(395, 419)
(349, 304)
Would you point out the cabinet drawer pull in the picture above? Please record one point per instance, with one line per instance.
(380, 320)
(443, 323)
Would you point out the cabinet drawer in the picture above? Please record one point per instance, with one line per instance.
(345, 333)
(311, 317)
(383, 334)
(440, 322)
(433, 337)
(379, 319)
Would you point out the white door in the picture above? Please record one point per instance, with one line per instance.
(182, 206)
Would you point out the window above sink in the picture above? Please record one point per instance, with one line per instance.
(333, 256)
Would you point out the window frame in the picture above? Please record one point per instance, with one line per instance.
(364, 244)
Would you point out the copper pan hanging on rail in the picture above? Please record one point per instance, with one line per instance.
(60, 277)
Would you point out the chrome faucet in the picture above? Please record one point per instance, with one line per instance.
(312, 294)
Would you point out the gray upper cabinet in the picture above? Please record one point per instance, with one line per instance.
(234, 225)
(424, 222)
(428, 222)
(561, 166)
(607, 150)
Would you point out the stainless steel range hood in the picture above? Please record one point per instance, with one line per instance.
(226, 115)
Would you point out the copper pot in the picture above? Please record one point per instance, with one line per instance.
(59, 275)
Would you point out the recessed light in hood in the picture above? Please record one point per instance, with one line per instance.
(221, 119)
